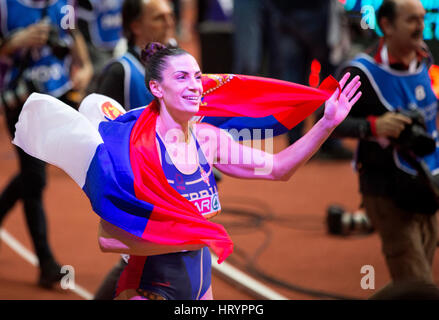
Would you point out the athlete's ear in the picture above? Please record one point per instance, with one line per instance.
(156, 88)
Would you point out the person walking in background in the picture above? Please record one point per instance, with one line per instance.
(100, 23)
(282, 40)
(37, 51)
(248, 38)
(301, 35)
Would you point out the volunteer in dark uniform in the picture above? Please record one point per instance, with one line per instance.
(398, 201)
(39, 60)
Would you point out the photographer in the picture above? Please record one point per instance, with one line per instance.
(38, 53)
(395, 83)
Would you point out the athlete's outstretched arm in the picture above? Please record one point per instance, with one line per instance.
(281, 166)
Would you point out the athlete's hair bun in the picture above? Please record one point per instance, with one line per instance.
(150, 49)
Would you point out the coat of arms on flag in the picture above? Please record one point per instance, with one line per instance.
(204, 176)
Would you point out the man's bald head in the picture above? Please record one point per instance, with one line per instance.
(390, 9)
(402, 23)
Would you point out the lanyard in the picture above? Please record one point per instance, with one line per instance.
(385, 59)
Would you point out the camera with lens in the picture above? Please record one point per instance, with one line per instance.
(341, 222)
(60, 48)
(415, 138)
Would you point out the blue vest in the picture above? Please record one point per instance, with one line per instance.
(401, 90)
(49, 74)
(104, 22)
(136, 94)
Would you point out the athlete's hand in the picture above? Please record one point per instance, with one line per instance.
(390, 124)
(338, 107)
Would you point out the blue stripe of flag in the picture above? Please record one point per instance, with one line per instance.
(110, 180)
(240, 123)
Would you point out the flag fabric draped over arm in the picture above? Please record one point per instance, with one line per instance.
(113, 155)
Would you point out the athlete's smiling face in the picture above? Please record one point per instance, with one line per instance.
(181, 88)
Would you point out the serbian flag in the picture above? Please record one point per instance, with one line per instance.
(112, 155)
(249, 102)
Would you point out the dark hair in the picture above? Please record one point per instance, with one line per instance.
(386, 10)
(154, 57)
(131, 11)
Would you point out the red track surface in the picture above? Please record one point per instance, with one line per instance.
(298, 249)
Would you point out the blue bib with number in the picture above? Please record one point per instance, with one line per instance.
(403, 90)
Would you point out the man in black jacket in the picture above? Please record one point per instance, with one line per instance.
(395, 81)
(37, 49)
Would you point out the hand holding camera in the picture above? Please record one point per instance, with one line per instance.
(391, 124)
(34, 36)
(414, 138)
(407, 132)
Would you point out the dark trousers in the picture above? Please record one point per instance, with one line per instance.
(408, 241)
(28, 185)
(299, 37)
